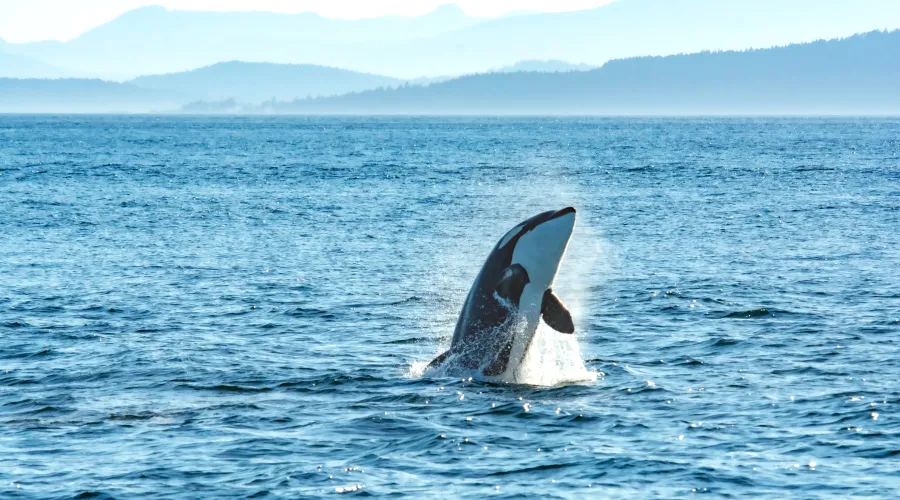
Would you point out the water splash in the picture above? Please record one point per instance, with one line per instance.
(471, 359)
(553, 359)
(417, 369)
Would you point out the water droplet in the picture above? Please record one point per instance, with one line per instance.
(681, 438)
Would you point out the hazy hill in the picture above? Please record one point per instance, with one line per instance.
(629, 28)
(857, 75)
(549, 66)
(78, 96)
(18, 66)
(153, 40)
(447, 42)
(257, 82)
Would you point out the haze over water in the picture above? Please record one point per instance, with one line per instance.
(235, 307)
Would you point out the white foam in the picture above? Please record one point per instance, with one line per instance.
(552, 359)
(417, 369)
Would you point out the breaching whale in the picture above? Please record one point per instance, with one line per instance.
(509, 297)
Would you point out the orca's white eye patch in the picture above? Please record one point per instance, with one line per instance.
(510, 235)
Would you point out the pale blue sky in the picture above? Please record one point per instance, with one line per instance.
(33, 20)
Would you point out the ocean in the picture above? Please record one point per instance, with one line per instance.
(242, 307)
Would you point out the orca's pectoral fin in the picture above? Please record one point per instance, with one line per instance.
(438, 361)
(555, 313)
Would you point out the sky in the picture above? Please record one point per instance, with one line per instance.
(35, 20)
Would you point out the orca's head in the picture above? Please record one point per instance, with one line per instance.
(535, 249)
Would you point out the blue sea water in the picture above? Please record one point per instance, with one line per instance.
(242, 307)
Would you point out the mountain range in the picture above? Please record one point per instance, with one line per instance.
(254, 83)
(857, 75)
(545, 66)
(154, 40)
(19, 66)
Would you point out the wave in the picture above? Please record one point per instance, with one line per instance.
(755, 313)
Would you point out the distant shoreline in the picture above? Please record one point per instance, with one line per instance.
(485, 116)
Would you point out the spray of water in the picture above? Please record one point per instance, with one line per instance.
(552, 359)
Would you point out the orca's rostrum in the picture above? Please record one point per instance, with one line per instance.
(511, 294)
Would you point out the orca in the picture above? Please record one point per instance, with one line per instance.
(508, 299)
